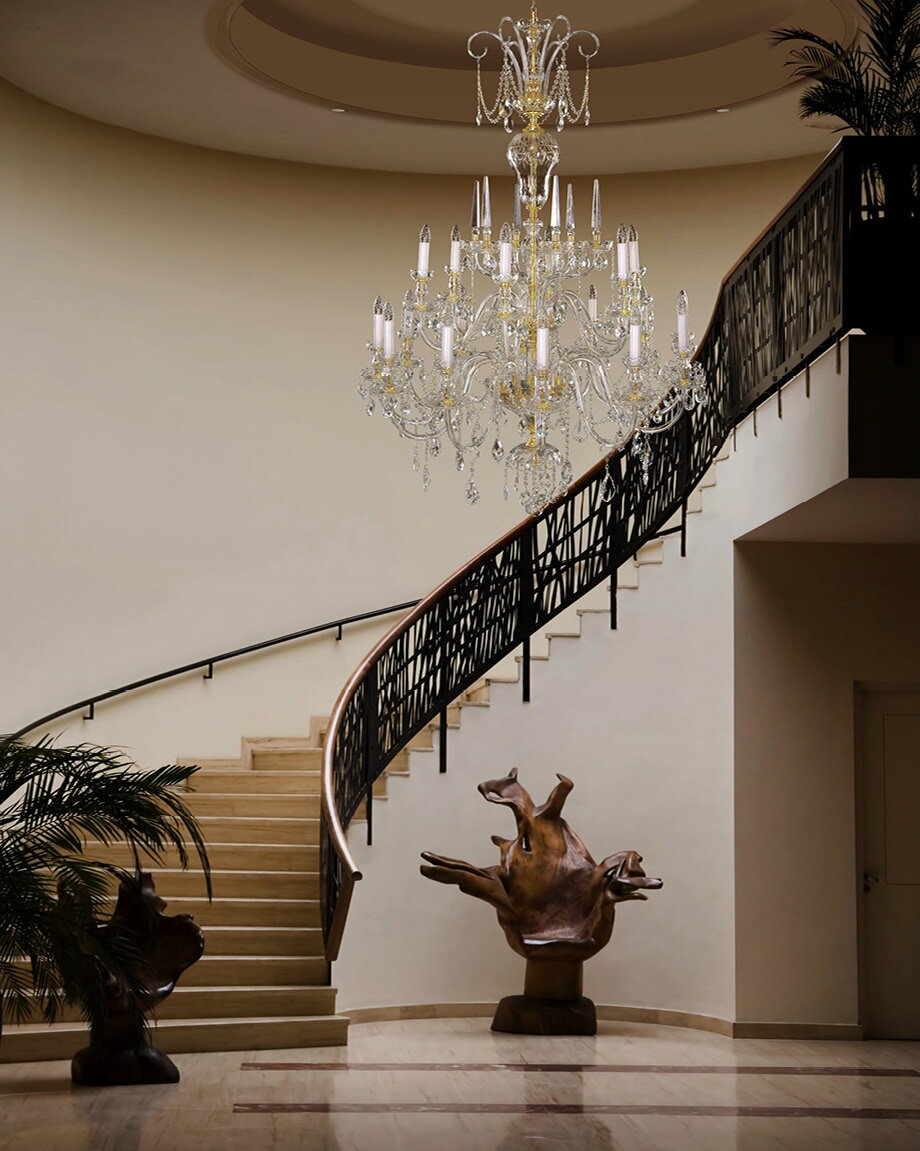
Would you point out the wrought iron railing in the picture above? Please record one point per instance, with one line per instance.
(795, 292)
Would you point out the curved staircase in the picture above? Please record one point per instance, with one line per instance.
(275, 819)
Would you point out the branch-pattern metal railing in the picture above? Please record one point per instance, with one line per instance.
(791, 296)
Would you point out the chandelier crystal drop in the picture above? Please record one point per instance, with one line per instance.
(529, 361)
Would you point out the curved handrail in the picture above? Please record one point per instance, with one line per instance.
(797, 290)
(210, 663)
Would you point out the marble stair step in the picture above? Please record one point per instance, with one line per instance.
(239, 884)
(421, 741)
(262, 970)
(237, 942)
(248, 912)
(191, 1002)
(295, 782)
(296, 755)
(38, 1041)
(228, 829)
(210, 763)
(275, 806)
(226, 856)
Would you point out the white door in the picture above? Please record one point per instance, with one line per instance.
(891, 864)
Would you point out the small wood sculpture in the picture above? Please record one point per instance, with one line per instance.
(554, 903)
(119, 1054)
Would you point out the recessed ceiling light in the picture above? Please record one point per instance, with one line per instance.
(723, 109)
(338, 109)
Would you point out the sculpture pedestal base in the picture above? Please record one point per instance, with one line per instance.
(552, 1003)
(122, 1067)
(522, 1015)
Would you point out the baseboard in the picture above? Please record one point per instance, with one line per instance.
(659, 1017)
(420, 1011)
(487, 1010)
(747, 1030)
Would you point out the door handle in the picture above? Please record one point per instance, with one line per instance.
(869, 881)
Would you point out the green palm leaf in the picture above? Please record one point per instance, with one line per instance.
(56, 945)
(872, 88)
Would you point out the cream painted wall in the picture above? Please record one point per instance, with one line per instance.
(642, 720)
(186, 464)
(812, 621)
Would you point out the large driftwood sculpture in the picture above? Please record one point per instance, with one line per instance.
(119, 1053)
(554, 903)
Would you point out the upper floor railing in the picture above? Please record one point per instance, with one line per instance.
(816, 272)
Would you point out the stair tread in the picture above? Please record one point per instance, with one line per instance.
(271, 987)
(160, 1024)
(286, 795)
(274, 818)
(260, 927)
(235, 871)
(218, 899)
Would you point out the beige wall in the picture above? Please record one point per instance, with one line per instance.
(186, 463)
(812, 620)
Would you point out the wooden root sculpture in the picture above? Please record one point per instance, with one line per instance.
(119, 1053)
(554, 903)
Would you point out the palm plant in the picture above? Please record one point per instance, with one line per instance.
(873, 86)
(53, 900)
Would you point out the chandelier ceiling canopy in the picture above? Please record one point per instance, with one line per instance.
(533, 359)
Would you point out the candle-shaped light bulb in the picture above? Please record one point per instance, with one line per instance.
(389, 332)
(635, 339)
(683, 322)
(622, 253)
(633, 243)
(455, 249)
(554, 216)
(378, 324)
(486, 205)
(504, 254)
(517, 205)
(424, 246)
(570, 209)
(542, 349)
(592, 303)
(474, 211)
(596, 207)
(447, 346)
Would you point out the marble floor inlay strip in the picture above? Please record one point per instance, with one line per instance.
(612, 1068)
(577, 1109)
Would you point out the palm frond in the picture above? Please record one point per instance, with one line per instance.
(870, 87)
(56, 944)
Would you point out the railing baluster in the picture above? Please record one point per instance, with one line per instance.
(371, 744)
(527, 607)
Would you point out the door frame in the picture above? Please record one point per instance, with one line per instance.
(861, 691)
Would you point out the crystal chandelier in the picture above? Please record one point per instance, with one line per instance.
(530, 359)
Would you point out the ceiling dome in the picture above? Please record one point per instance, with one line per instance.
(263, 77)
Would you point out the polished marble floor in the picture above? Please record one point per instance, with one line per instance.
(453, 1085)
